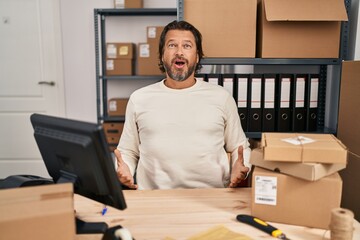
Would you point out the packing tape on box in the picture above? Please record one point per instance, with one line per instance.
(341, 224)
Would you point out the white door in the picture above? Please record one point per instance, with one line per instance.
(31, 79)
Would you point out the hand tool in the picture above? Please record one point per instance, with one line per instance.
(262, 225)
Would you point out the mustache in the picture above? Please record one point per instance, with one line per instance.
(179, 59)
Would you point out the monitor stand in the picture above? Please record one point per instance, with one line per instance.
(83, 227)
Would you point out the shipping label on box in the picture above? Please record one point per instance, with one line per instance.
(144, 50)
(285, 199)
(296, 147)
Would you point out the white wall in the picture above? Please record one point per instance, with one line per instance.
(77, 19)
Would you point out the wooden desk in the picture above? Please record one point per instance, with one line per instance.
(181, 213)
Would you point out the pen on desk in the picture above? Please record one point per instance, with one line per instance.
(104, 210)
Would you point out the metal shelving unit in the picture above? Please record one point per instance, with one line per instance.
(325, 94)
(328, 96)
(100, 54)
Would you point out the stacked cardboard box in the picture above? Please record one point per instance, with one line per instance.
(148, 54)
(119, 59)
(304, 189)
(299, 28)
(113, 132)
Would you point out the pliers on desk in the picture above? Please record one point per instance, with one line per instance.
(262, 225)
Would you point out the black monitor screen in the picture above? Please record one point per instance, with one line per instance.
(76, 151)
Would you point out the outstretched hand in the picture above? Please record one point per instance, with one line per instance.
(239, 171)
(123, 172)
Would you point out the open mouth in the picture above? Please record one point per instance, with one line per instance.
(179, 63)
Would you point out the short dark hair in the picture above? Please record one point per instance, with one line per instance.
(181, 25)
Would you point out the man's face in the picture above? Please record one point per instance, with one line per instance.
(180, 54)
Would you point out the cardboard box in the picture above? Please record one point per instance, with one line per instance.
(309, 148)
(128, 3)
(299, 28)
(148, 61)
(349, 133)
(113, 132)
(120, 50)
(41, 212)
(228, 27)
(281, 198)
(153, 34)
(119, 67)
(117, 106)
(306, 171)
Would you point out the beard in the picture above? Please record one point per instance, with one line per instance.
(179, 75)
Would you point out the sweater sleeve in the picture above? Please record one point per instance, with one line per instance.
(129, 140)
(234, 134)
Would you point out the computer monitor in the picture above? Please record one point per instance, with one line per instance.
(75, 151)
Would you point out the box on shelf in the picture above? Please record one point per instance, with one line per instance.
(285, 199)
(147, 60)
(117, 106)
(303, 147)
(120, 50)
(119, 58)
(128, 3)
(119, 67)
(113, 131)
(153, 34)
(41, 212)
(306, 171)
(228, 27)
(300, 28)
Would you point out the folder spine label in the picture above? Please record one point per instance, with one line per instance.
(228, 84)
(285, 93)
(256, 93)
(300, 93)
(242, 92)
(314, 92)
(269, 99)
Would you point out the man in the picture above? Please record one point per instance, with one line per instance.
(178, 131)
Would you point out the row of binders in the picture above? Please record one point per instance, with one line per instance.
(272, 102)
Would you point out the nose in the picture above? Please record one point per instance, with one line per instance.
(179, 51)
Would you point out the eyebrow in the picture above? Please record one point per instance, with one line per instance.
(186, 41)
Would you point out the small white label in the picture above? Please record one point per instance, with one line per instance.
(119, 3)
(152, 32)
(112, 106)
(111, 51)
(300, 140)
(265, 190)
(110, 65)
(144, 50)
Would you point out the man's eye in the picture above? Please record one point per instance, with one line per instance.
(171, 45)
(187, 46)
